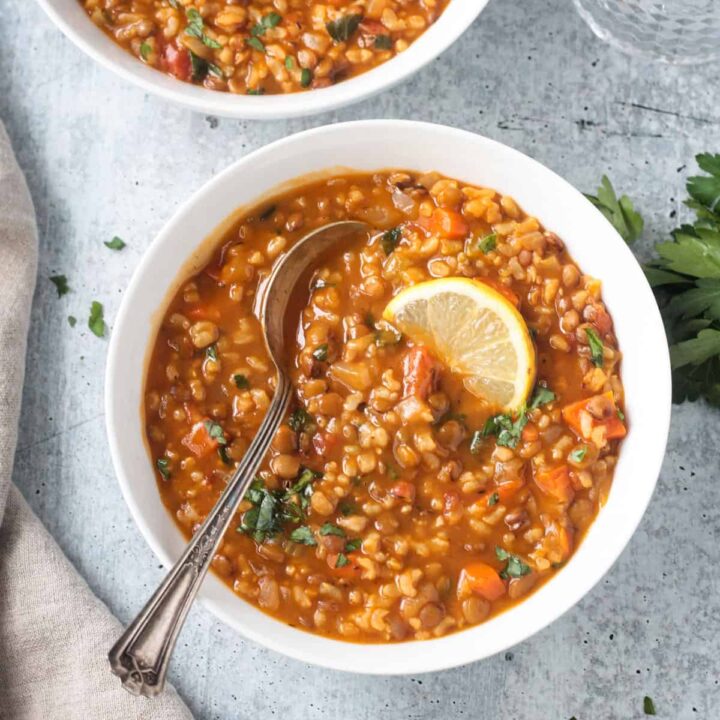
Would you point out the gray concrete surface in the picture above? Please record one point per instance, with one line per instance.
(102, 158)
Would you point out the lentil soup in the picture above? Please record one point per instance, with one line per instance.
(393, 504)
(261, 47)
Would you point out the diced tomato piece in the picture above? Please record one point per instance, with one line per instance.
(403, 490)
(177, 61)
(448, 223)
(505, 493)
(198, 440)
(419, 372)
(578, 417)
(556, 483)
(352, 570)
(482, 579)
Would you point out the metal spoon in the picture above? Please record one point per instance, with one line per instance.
(141, 656)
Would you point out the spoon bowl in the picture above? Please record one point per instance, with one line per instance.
(141, 656)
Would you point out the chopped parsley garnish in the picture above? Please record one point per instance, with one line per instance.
(162, 465)
(201, 67)
(268, 22)
(211, 352)
(448, 416)
(352, 545)
(289, 62)
(145, 50)
(648, 706)
(223, 454)
(506, 430)
(515, 566)
(390, 240)
(303, 535)
(383, 42)
(256, 44)
(306, 77)
(321, 352)
(262, 520)
(341, 561)
(621, 415)
(300, 420)
(541, 396)
(115, 244)
(241, 381)
(578, 455)
(303, 484)
(346, 508)
(488, 243)
(215, 431)
(330, 529)
(621, 213)
(196, 28)
(256, 91)
(72, 320)
(493, 499)
(596, 347)
(343, 28)
(96, 321)
(61, 284)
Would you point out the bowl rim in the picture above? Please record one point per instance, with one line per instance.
(454, 21)
(369, 659)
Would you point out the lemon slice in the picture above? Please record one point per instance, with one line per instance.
(475, 331)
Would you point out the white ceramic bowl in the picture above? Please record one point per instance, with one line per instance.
(372, 145)
(69, 16)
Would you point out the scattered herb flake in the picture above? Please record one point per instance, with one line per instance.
(241, 381)
(211, 352)
(256, 44)
(541, 396)
(352, 545)
(96, 321)
(383, 42)
(488, 243)
(145, 50)
(215, 431)
(649, 706)
(115, 244)
(515, 566)
(321, 352)
(341, 561)
(330, 529)
(163, 466)
(390, 240)
(289, 62)
(493, 499)
(223, 454)
(343, 28)
(303, 535)
(196, 28)
(256, 91)
(306, 77)
(506, 430)
(300, 420)
(578, 455)
(72, 320)
(621, 414)
(596, 347)
(61, 284)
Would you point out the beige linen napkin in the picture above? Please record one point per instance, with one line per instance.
(54, 633)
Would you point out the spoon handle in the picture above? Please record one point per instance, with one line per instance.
(141, 656)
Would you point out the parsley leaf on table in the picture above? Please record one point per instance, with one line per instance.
(620, 212)
(61, 284)
(96, 321)
(685, 276)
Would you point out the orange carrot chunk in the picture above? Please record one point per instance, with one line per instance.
(595, 413)
(448, 223)
(555, 483)
(482, 579)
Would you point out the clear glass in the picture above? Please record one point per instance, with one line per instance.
(675, 31)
